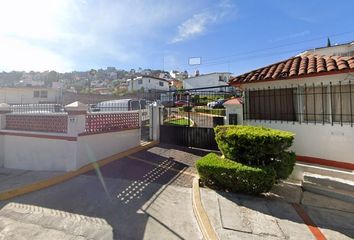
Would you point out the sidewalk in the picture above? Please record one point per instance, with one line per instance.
(14, 178)
(237, 216)
(15, 182)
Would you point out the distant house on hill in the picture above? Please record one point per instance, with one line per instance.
(176, 84)
(148, 84)
(207, 80)
(30, 95)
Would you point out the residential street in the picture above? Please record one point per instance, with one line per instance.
(147, 196)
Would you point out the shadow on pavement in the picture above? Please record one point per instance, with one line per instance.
(130, 195)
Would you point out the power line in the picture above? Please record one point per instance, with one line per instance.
(248, 57)
(280, 46)
(223, 59)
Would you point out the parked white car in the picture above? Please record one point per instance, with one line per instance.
(123, 105)
(216, 104)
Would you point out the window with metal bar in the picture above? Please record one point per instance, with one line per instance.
(342, 101)
(331, 103)
(272, 104)
(315, 104)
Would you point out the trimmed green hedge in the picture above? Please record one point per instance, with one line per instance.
(185, 109)
(284, 165)
(220, 112)
(178, 122)
(233, 176)
(252, 145)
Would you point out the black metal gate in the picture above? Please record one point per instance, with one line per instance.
(188, 136)
(191, 115)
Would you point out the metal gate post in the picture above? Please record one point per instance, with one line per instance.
(234, 106)
(155, 121)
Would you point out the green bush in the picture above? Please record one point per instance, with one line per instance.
(233, 176)
(220, 112)
(252, 145)
(185, 109)
(284, 165)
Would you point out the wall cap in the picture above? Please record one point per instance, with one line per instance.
(76, 107)
(5, 108)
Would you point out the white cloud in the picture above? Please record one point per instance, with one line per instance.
(194, 26)
(199, 22)
(60, 34)
(19, 55)
(72, 34)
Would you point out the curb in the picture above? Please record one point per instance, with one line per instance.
(8, 194)
(200, 213)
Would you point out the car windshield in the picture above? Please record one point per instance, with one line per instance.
(135, 105)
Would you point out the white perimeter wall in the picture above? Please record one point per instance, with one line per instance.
(44, 154)
(31, 153)
(321, 141)
(98, 146)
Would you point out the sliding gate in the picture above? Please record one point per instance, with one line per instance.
(189, 116)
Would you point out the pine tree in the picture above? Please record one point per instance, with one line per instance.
(328, 42)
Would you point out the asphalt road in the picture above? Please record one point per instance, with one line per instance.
(144, 196)
(200, 119)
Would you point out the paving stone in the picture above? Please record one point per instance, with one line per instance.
(22, 220)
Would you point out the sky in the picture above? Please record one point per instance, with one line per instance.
(234, 36)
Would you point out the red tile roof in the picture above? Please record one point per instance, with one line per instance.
(300, 66)
(236, 101)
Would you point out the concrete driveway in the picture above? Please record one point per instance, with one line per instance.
(144, 196)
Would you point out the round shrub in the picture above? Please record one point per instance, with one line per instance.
(284, 165)
(233, 176)
(252, 145)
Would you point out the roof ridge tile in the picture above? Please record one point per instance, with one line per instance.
(298, 66)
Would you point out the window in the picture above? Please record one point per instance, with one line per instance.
(342, 98)
(36, 94)
(161, 84)
(134, 105)
(140, 81)
(44, 94)
(143, 104)
(311, 104)
(272, 104)
(220, 78)
(315, 106)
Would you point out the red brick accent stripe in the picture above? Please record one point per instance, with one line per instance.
(109, 122)
(67, 138)
(37, 123)
(308, 221)
(325, 162)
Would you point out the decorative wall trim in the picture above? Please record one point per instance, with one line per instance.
(325, 162)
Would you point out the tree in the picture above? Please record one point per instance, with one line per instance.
(50, 77)
(328, 42)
